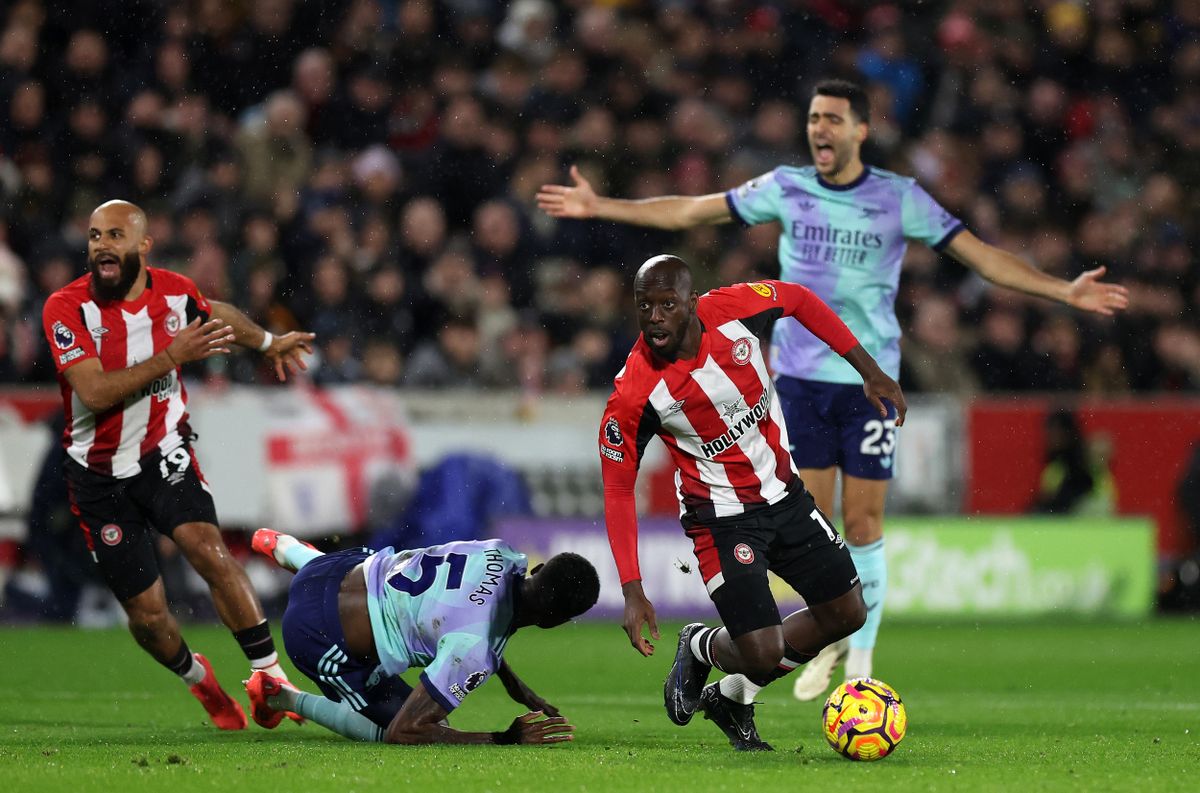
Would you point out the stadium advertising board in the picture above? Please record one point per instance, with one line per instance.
(938, 567)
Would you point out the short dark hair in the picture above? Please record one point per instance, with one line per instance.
(569, 586)
(860, 105)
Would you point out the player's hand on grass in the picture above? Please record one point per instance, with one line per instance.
(285, 351)
(199, 341)
(533, 728)
(560, 201)
(879, 387)
(1088, 293)
(639, 611)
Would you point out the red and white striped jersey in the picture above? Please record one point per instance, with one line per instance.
(717, 413)
(122, 334)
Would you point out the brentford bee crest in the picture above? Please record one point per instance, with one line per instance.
(741, 351)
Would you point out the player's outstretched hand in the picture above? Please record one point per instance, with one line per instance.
(879, 387)
(1089, 293)
(285, 351)
(199, 341)
(532, 728)
(639, 611)
(560, 201)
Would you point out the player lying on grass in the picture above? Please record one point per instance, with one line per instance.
(697, 379)
(356, 620)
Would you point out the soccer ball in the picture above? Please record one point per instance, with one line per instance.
(864, 719)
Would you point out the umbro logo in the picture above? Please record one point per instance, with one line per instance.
(99, 331)
(674, 407)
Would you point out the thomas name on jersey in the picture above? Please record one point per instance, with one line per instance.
(492, 576)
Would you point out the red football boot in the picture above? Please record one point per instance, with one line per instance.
(224, 711)
(262, 685)
(265, 541)
(258, 688)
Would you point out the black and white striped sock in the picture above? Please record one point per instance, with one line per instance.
(702, 646)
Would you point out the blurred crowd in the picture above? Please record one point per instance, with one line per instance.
(366, 169)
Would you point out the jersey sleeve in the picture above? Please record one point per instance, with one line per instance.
(197, 306)
(624, 432)
(69, 339)
(756, 201)
(812, 312)
(923, 219)
(462, 663)
(758, 305)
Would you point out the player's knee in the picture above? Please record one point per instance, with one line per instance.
(849, 617)
(843, 616)
(855, 616)
(149, 623)
(863, 528)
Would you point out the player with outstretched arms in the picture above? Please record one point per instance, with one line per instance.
(845, 227)
(357, 620)
(119, 335)
(697, 379)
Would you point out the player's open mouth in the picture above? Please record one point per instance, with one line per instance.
(658, 338)
(823, 154)
(108, 266)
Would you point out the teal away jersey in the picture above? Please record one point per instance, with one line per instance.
(448, 608)
(846, 243)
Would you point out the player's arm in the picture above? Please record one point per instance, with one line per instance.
(100, 390)
(620, 455)
(520, 692)
(665, 212)
(420, 721)
(1086, 292)
(812, 312)
(283, 350)
(620, 518)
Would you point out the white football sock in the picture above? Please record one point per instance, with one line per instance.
(738, 688)
(193, 675)
(293, 554)
(271, 666)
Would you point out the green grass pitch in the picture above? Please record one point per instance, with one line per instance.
(1071, 706)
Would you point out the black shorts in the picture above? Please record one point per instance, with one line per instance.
(118, 516)
(793, 539)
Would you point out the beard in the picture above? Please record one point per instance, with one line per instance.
(131, 265)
